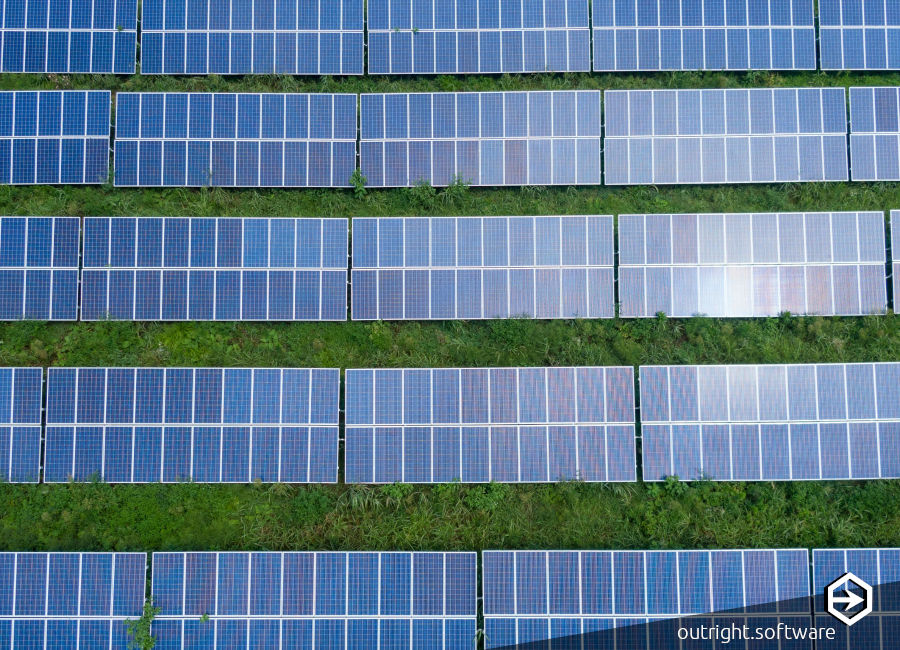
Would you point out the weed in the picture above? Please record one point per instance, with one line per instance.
(138, 631)
(358, 181)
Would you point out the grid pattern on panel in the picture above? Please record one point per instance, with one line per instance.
(21, 401)
(214, 269)
(235, 140)
(476, 425)
(86, 36)
(712, 35)
(39, 268)
(478, 36)
(895, 254)
(473, 267)
(725, 136)
(207, 425)
(859, 36)
(744, 265)
(771, 423)
(54, 137)
(502, 138)
(874, 134)
(254, 37)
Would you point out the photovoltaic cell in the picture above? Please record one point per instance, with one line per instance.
(746, 265)
(207, 425)
(235, 140)
(502, 138)
(39, 268)
(474, 425)
(874, 134)
(252, 37)
(214, 269)
(52, 137)
(491, 267)
(712, 35)
(68, 37)
(760, 135)
(771, 423)
(895, 255)
(531, 596)
(478, 36)
(315, 600)
(859, 35)
(21, 401)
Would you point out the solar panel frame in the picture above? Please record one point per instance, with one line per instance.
(235, 139)
(895, 255)
(752, 265)
(431, 37)
(475, 425)
(759, 135)
(851, 38)
(21, 402)
(874, 134)
(208, 425)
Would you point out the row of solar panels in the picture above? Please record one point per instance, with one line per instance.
(420, 600)
(743, 423)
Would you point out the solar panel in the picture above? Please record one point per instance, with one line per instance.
(502, 138)
(760, 135)
(859, 36)
(207, 425)
(21, 401)
(52, 137)
(235, 140)
(474, 425)
(81, 36)
(70, 600)
(673, 35)
(895, 254)
(745, 265)
(874, 133)
(321, 600)
(214, 269)
(532, 596)
(261, 37)
(771, 423)
(434, 37)
(39, 268)
(473, 267)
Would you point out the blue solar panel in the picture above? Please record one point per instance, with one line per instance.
(21, 401)
(712, 35)
(39, 268)
(235, 140)
(859, 36)
(50, 601)
(532, 596)
(214, 269)
(744, 265)
(207, 425)
(262, 37)
(323, 600)
(760, 135)
(434, 37)
(491, 267)
(502, 138)
(771, 423)
(874, 134)
(81, 36)
(895, 254)
(510, 425)
(54, 137)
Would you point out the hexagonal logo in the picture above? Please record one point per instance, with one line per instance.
(838, 593)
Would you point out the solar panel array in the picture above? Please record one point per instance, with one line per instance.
(321, 600)
(771, 422)
(214, 269)
(752, 264)
(252, 37)
(895, 251)
(475, 425)
(21, 406)
(207, 425)
(39, 268)
(490, 267)
(874, 134)
(478, 36)
(531, 596)
(80, 36)
(52, 137)
(859, 35)
(500, 138)
(238, 140)
(725, 136)
(69, 600)
(712, 35)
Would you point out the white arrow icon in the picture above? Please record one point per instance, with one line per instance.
(851, 599)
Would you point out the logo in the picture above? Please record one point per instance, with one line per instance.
(838, 593)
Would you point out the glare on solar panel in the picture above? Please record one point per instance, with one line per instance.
(859, 36)
(21, 400)
(874, 133)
